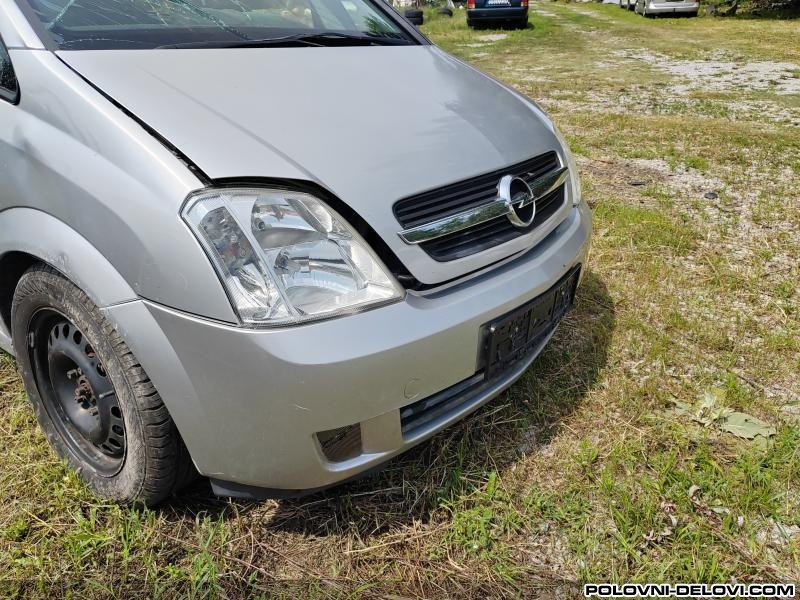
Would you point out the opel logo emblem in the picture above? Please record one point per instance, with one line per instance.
(519, 200)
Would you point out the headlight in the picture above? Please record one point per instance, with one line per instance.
(574, 177)
(285, 257)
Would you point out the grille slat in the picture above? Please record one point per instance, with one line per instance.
(437, 209)
(475, 235)
(424, 411)
(450, 200)
(433, 199)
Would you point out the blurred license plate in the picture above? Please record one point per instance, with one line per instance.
(498, 3)
(513, 337)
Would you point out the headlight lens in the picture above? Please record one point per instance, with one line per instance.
(574, 177)
(285, 257)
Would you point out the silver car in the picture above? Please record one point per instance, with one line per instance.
(652, 8)
(275, 242)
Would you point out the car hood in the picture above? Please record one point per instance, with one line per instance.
(371, 125)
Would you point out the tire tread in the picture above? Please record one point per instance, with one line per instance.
(168, 466)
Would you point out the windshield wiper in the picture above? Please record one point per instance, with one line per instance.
(330, 38)
(325, 38)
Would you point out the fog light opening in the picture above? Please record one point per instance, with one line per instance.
(341, 444)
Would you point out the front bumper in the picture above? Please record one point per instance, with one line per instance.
(506, 13)
(672, 7)
(249, 404)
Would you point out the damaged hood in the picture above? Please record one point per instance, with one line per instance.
(370, 124)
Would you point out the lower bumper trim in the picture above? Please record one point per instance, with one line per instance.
(664, 9)
(230, 489)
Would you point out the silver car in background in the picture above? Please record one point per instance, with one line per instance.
(652, 8)
(224, 251)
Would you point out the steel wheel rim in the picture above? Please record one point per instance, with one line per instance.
(76, 392)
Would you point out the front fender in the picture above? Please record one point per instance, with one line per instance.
(53, 242)
(68, 151)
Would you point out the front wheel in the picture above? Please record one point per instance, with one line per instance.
(93, 400)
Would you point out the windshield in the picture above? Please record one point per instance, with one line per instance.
(131, 24)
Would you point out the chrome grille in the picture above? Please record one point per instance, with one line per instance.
(453, 199)
(464, 197)
(492, 233)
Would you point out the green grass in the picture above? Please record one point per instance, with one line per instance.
(582, 471)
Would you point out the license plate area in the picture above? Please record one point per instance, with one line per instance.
(512, 337)
(498, 3)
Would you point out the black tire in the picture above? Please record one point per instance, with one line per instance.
(141, 459)
(522, 23)
(445, 11)
(414, 16)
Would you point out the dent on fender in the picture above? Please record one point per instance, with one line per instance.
(44, 237)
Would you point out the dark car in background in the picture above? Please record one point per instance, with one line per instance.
(497, 12)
